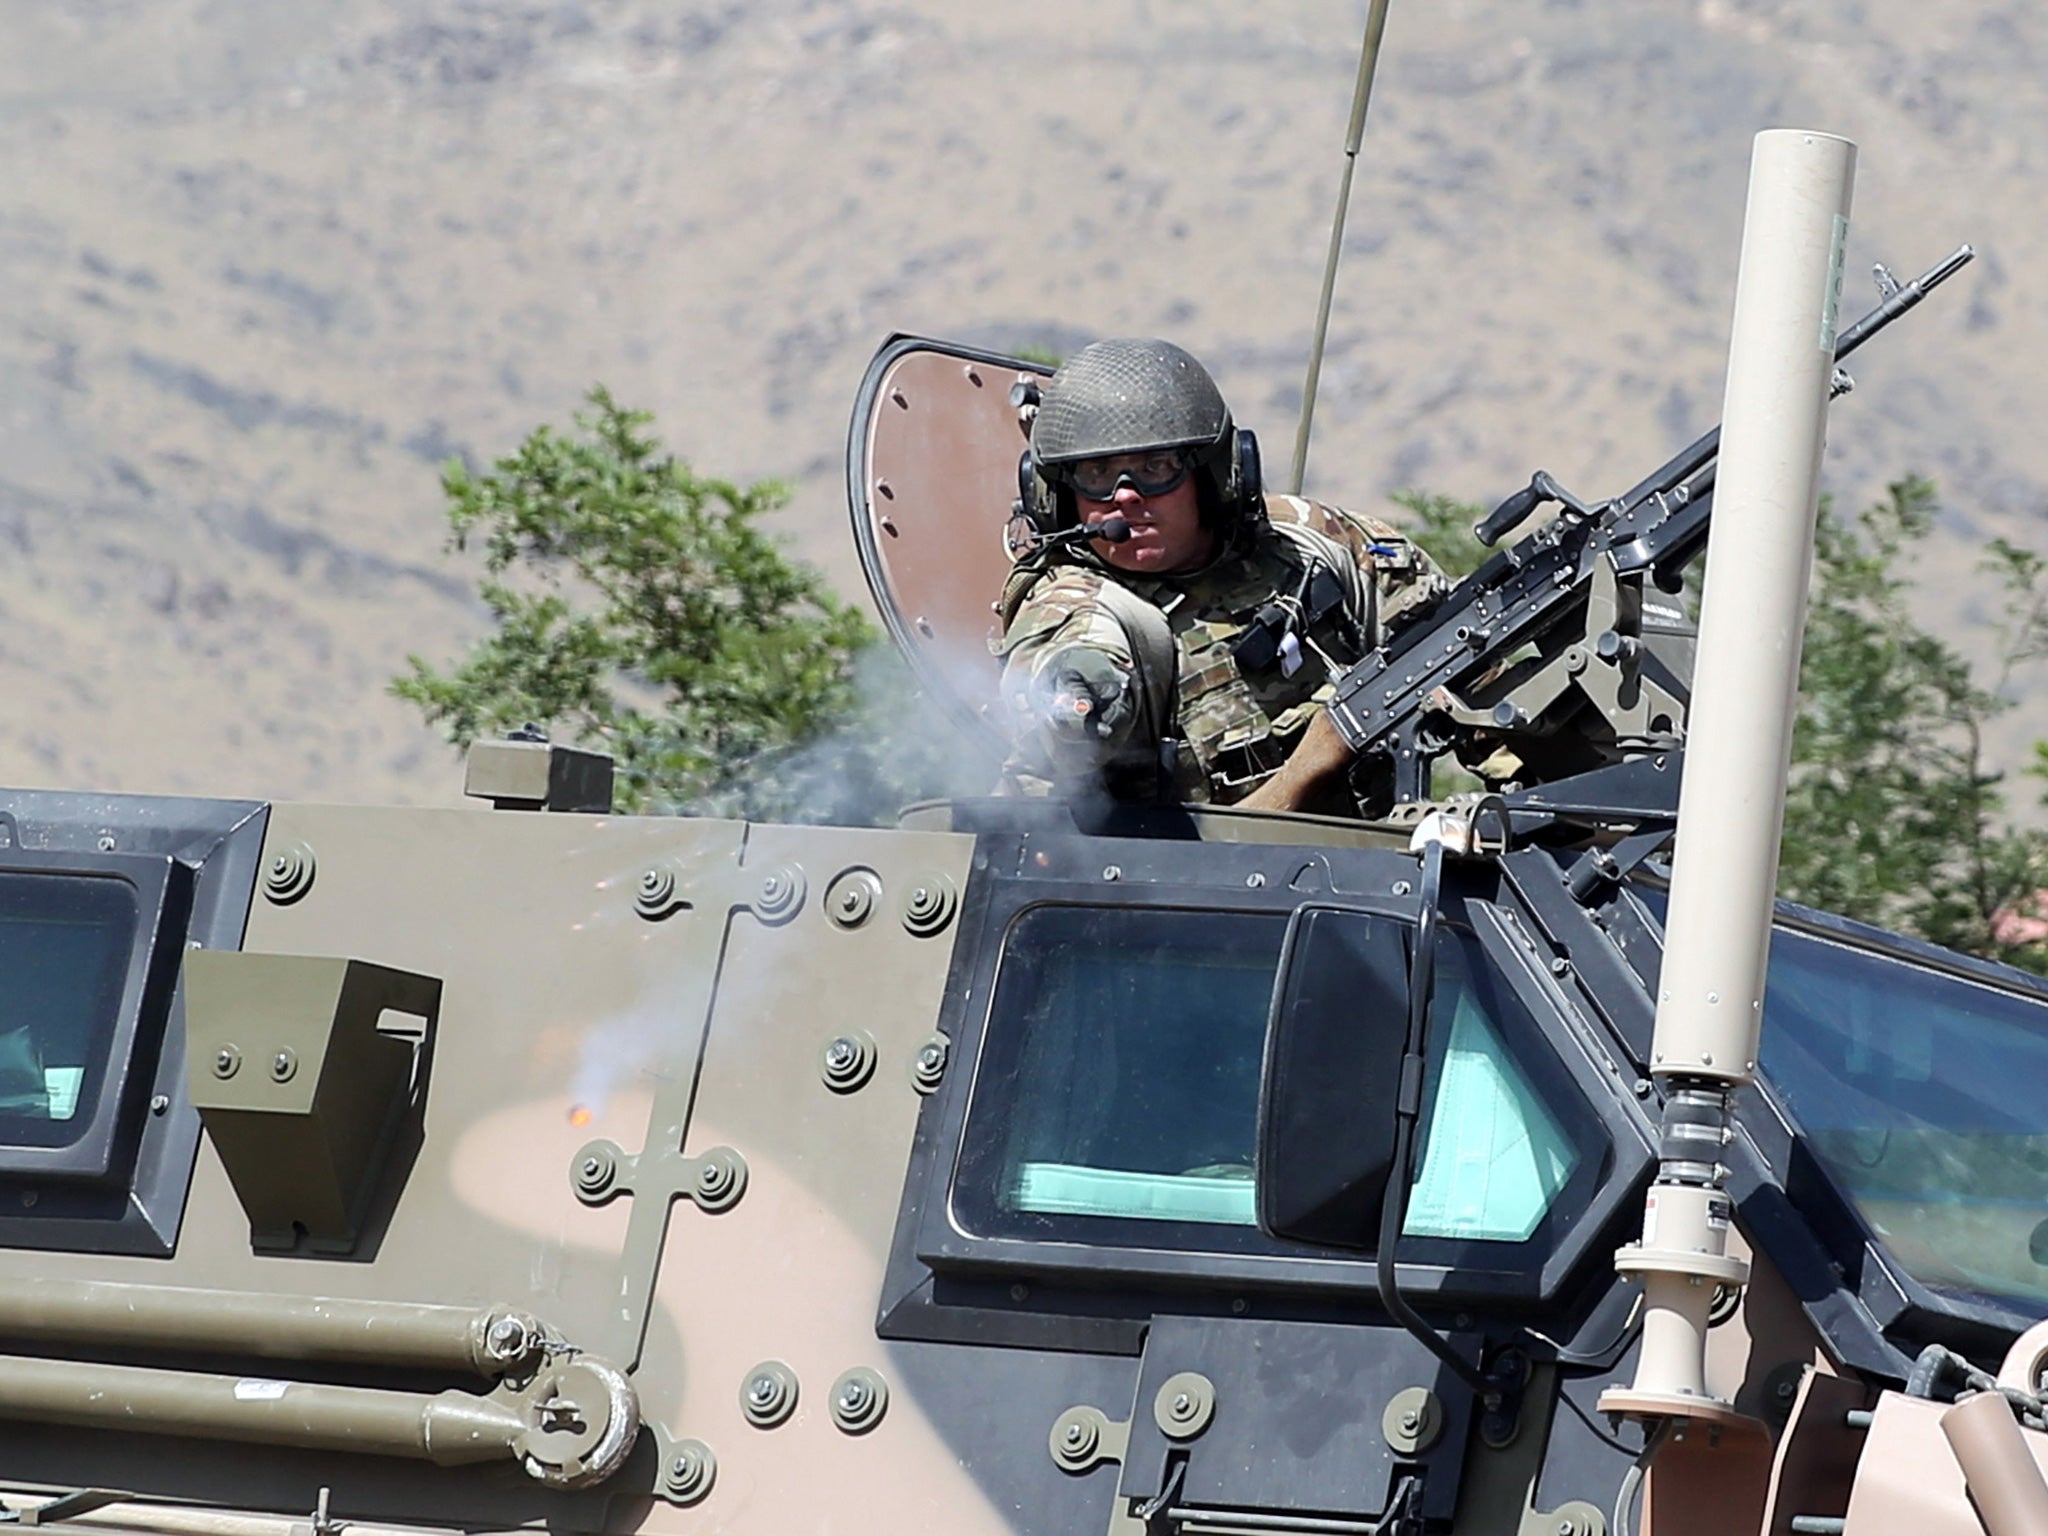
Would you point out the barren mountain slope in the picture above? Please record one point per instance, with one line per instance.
(263, 268)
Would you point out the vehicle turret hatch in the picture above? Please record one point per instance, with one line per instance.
(931, 476)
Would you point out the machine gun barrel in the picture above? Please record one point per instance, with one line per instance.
(1896, 304)
(1526, 592)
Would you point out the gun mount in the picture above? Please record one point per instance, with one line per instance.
(1568, 648)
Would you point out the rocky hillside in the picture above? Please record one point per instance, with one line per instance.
(263, 268)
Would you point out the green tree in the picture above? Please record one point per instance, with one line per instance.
(1892, 813)
(638, 608)
(1442, 525)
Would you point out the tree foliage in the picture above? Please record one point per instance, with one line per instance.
(639, 608)
(1442, 525)
(1893, 813)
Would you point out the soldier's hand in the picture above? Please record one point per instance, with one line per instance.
(1084, 693)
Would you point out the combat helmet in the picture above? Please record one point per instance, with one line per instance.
(1136, 395)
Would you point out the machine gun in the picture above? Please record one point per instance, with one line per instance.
(1552, 649)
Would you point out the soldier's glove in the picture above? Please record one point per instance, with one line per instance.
(1084, 694)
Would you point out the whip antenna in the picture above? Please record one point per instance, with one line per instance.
(1368, 58)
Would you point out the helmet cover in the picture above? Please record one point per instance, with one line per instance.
(1128, 395)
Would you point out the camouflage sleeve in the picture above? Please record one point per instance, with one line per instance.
(1061, 653)
(1405, 580)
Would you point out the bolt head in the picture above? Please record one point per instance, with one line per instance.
(1075, 1434)
(1411, 1420)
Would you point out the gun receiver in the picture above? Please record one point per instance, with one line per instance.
(1556, 630)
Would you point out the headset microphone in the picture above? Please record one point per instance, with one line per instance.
(1111, 530)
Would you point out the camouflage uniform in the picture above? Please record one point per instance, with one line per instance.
(1234, 725)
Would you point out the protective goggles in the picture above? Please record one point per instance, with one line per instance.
(1154, 474)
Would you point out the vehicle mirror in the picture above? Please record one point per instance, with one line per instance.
(1327, 1091)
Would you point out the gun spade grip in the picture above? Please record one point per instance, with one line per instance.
(1509, 515)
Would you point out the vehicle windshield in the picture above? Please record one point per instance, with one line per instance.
(1920, 1094)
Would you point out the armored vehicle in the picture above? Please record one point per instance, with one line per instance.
(1031, 1167)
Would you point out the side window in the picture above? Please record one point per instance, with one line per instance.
(65, 942)
(1117, 1097)
(1138, 1036)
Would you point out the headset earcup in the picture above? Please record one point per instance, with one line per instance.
(1037, 499)
(1245, 472)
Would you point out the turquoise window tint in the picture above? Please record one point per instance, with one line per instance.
(1494, 1156)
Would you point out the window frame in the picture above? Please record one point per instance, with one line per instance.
(934, 1252)
(198, 862)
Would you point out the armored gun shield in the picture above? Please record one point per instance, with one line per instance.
(932, 465)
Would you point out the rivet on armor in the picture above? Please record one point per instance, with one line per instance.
(928, 1066)
(595, 1172)
(1412, 1421)
(289, 874)
(690, 1472)
(1184, 1405)
(227, 1061)
(781, 894)
(859, 1399)
(929, 905)
(848, 1060)
(768, 1395)
(850, 899)
(284, 1066)
(720, 1180)
(660, 892)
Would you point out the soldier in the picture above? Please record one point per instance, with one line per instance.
(1186, 651)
